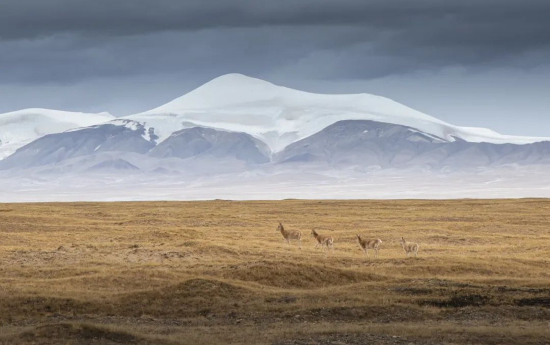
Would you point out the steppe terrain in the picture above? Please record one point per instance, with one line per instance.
(218, 272)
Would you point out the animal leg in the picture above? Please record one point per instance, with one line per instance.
(300, 243)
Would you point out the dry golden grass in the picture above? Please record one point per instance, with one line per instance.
(219, 272)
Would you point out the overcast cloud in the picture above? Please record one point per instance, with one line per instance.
(477, 63)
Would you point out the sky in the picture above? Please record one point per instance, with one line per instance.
(468, 62)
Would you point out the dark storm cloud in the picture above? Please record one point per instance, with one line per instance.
(32, 18)
(427, 22)
(73, 39)
(112, 49)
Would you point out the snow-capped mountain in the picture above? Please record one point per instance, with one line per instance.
(243, 138)
(280, 116)
(238, 123)
(19, 128)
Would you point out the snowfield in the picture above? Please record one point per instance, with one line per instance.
(280, 116)
(21, 127)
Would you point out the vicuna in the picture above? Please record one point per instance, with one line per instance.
(369, 244)
(290, 235)
(327, 241)
(409, 247)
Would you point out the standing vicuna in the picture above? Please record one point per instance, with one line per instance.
(290, 235)
(409, 247)
(327, 241)
(369, 244)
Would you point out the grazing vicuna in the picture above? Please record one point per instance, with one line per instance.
(290, 235)
(327, 241)
(409, 247)
(369, 244)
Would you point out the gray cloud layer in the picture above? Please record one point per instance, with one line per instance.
(393, 36)
(32, 18)
(92, 45)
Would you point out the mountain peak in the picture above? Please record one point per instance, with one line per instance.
(228, 89)
(232, 79)
(279, 115)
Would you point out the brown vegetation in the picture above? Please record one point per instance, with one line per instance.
(217, 272)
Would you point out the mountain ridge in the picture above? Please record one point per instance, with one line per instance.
(18, 128)
(276, 115)
(279, 116)
(263, 119)
(348, 144)
(239, 137)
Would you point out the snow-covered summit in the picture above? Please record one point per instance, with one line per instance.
(20, 127)
(280, 115)
(274, 114)
(226, 90)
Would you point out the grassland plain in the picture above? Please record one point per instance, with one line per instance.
(218, 272)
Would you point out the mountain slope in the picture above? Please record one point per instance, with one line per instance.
(21, 127)
(201, 146)
(363, 143)
(236, 123)
(117, 136)
(280, 116)
(206, 142)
